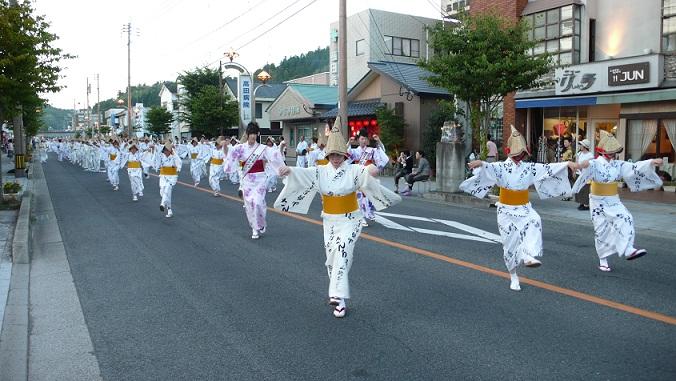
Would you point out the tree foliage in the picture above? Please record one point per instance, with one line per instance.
(159, 121)
(391, 128)
(29, 63)
(55, 118)
(481, 61)
(202, 103)
(312, 62)
(149, 95)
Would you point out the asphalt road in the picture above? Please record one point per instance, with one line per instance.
(194, 298)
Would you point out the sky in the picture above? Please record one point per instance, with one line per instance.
(172, 36)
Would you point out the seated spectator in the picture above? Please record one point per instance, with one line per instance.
(422, 173)
(404, 168)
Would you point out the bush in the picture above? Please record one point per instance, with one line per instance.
(12, 187)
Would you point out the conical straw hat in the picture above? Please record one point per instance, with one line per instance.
(335, 142)
(169, 146)
(608, 143)
(516, 144)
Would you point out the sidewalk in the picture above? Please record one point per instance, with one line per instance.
(650, 216)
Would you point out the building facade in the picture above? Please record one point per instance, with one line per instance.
(375, 35)
(615, 71)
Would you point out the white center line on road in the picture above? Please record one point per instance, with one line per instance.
(478, 234)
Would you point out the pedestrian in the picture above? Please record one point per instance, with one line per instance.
(613, 224)
(337, 182)
(364, 156)
(282, 147)
(301, 152)
(169, 165)
(583, 154)
(421, 173)
(492, 150)
(252, 157)
(134, 170)
(216, 172)
(568, 155)
(10, 148)
(404, 168)
(317, 156)
(519, 224)
(271, 182)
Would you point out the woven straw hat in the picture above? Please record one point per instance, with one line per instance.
(132, 144)
(169, 146)
(608, 143)
(585, 143)
(335, 142)
(516, 144)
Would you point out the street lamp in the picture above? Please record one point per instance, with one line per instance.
(263, 77)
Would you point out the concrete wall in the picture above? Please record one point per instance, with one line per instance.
(626, 28)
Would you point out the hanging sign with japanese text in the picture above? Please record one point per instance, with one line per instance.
(621, 74)
(244, 95)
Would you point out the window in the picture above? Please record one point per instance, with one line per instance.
(361, 47)
(259, 110)
(399, 46)
(669, 25)
(557, 32)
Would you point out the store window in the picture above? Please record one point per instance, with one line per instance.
(669, 25)
(259, 110)
(559, 124)
(650, 139)
(405, 47)
(557, 32)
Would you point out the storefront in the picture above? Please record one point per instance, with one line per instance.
(624, 97)
(298, 111)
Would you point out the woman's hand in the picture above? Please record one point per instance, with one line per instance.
(657, 162)
(284, 171)
(474, 164)
(573, 166)
(373, 170)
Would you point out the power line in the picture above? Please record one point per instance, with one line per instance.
(228, 22)
(267, 30)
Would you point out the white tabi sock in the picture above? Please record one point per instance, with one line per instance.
(515, 281)
(603, 262)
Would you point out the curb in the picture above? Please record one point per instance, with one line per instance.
(15, 325)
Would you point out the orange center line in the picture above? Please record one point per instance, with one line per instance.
(486, 270)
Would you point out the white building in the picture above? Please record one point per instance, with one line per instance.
(169, 102)
(375, 35)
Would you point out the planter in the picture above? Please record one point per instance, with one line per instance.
(10, 197)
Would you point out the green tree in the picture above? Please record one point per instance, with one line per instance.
(207, 115)
(481, 61)
(431, 134)
(312, 62)
(104, 129)
(159, 121)
(391, 128)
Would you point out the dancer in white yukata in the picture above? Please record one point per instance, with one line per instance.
(365, 155)
(613, 224)
(271, 183)
(252, 158)
(519, 224)
(134, 170)
(302, 150)
(338, 183)
(169, 165)
(216, 172)
(114, 164)
(197, 161)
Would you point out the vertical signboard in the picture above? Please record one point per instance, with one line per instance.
(244, 93)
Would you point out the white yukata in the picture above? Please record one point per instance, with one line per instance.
(197, 162)
(114, 160)
(216, 165)
(301, 159)
(253, 182)
(520, 225)
(341, 231)
(613, 224)
(135, 172)
(167, 181)
(365, 156)
(314, 155)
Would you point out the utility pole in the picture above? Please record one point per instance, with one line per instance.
(220, 92)
(342, 67)
(127, 28)
(98, 107)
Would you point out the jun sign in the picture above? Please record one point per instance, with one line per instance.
(598, 77)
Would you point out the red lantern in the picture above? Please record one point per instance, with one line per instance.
(351, 123)
(374, 122)
(359, 124)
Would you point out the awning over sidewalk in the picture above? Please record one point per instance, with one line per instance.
(556, 102)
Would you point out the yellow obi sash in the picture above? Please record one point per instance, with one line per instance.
(604, 189)
(513, 197)
(340, 204)
(322, 161)
(215, 161)
(193, 156)
(168, 171)
(112, 156)
(133, 164)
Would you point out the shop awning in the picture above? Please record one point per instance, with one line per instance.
(555, 102)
